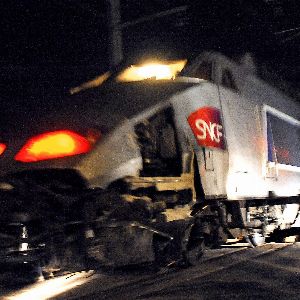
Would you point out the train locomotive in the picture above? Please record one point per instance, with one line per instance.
(151, 163)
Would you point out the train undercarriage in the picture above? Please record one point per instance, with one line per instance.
(59, 225)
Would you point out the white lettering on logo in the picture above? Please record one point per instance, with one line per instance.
(214, 130)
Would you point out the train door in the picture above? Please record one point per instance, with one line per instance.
(167, 161)
(159, 145)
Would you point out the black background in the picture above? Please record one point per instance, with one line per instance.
(49, 46)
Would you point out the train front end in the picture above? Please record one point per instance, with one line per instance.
(64, 172)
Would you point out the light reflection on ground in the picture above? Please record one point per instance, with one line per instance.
(50, 288)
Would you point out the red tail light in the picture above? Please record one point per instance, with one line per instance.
(51, 145)
(2, 148)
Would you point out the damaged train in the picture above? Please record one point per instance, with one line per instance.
(150, 163)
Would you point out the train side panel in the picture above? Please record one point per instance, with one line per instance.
(252, 172)
(281, 165)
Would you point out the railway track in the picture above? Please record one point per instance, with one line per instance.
(129, 284)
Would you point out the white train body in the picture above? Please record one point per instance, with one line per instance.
(238, 158)
(253, 170)
(213, 148)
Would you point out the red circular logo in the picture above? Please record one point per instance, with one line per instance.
(207, 127)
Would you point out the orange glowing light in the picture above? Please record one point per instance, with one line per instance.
(2, 148)
(52, 145)
(153, 70)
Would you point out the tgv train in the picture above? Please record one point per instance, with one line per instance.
(151, 163)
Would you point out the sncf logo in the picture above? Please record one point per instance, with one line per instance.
(207, 127)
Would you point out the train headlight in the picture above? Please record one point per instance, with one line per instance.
(151, 70)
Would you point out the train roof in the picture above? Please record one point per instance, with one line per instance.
(125, 100)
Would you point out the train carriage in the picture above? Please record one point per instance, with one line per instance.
(167, 156)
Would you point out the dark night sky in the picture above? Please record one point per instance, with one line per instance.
(51, 41)
(48, 46)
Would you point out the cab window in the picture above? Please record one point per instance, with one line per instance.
(228, 80)
(204, 71)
